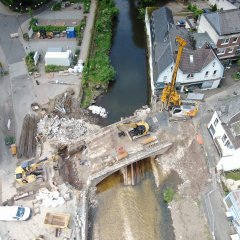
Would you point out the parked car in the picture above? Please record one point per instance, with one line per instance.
(15, 213)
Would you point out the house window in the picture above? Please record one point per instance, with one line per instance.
(238, 51)
(224, 138)
(225, 41)
(171, 68)
(206, 73)
(212, 130)
(230, 50)
(227, 144)
(214, 73)
(190, 75)
(216, 122)
(221, 51)
(213, 64)
(235, 40)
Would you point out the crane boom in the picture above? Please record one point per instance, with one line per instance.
(170, 97)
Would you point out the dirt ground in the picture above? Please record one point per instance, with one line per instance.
(187, 159)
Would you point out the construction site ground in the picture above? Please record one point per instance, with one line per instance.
(186, 157)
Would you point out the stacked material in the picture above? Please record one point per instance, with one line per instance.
(49, 199)
(27, 142)
(64, 130)
(98, 110)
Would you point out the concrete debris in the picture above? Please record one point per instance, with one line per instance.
(64, 130)
(63, 102)
(98, 110)
(49, 199)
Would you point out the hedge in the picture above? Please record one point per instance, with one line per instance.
(55, 68)
(30, 63)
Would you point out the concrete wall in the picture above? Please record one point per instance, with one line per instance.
(149, 44)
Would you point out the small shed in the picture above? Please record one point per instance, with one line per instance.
(71, 32)
(58, 58)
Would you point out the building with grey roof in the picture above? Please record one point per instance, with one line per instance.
(225, 131)
(226, 4)
(224, 29)
(198, 67)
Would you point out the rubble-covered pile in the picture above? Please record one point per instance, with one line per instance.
(64, 130)
(63, 102)
(49, 199)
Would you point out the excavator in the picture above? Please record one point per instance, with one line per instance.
(170, 98)
(29, 171)
(138, 129)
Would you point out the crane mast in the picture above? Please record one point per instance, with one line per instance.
(170, 97)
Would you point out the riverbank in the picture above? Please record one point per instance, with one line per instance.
(98, 71)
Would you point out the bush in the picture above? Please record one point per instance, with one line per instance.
(235, 175)
(86, 6)
(214, 8)
(56, 7)
(80, 30)
(9, 140)
(54, 68)
(98, 70)
(49, 28)
(168, 195)
(30, 63)
(76, 56)
(236, 76)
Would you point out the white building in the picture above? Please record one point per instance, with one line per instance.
(225, 4)
(232, 204)
(198, 67)
(55, 56)
(224, 29)
(224, 128)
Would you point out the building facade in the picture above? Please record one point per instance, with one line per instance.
(224, 128)
(199, 67)
(224, 29)
(232, 204)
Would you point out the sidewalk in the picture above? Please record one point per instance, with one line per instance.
(88, 32)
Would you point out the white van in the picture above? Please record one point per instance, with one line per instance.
(15, 213)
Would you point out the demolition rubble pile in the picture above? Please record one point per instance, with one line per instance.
(49, 199)
(63, 130)
(63, 102)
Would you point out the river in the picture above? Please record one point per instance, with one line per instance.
(128, 57)
(126, 212)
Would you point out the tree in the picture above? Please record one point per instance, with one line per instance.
(214, 8)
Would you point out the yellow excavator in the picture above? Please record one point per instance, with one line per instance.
(170, 97)
(137, 130)
(29, 171)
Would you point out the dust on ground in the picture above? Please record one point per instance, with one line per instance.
(187, 159)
